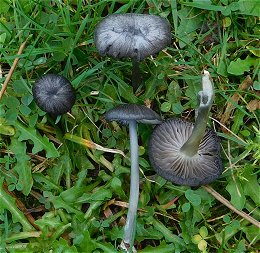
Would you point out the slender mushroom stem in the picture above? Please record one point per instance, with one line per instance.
(191, 146)
(136, 75)
(134, 188)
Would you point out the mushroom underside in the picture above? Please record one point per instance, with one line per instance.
(170, 163)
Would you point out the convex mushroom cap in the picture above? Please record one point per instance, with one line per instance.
(169, 162)
(132, 35)
(139, 113)
(54, 94)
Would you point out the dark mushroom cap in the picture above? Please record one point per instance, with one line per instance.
(54, 94)
(132, 35)
(127, 112)
(171, 164)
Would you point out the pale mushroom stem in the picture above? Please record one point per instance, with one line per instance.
(130, 225)
(191, 146)
(136, 75)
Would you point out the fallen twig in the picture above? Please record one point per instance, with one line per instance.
(126, 205)
(21, 206)
(225, 202)
(11, 71)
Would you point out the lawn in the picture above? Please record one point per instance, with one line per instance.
(65, 180)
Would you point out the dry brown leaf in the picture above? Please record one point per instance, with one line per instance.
(108, 212)
(235, 99)
(253, 105)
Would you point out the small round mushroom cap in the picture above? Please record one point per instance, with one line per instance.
(132, 35)
(54, 94)
(167, 160)
(127, 112)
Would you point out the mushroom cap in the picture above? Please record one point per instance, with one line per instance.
(168, 161)
(127, 112)
(54, 94)
(132, 35)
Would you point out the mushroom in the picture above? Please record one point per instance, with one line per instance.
(186, 153)
(131, 114)
(134, 36)
(54, 94)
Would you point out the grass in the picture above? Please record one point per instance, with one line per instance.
(59, 194)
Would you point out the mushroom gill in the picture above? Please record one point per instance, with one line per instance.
(171, 163)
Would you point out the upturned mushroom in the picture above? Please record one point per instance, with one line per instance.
(130, 114)
(134, 36)
(186, 153)
(54, 94)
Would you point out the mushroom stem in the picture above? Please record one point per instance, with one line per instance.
(134, 188)
(191, 146)
(136, 75)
